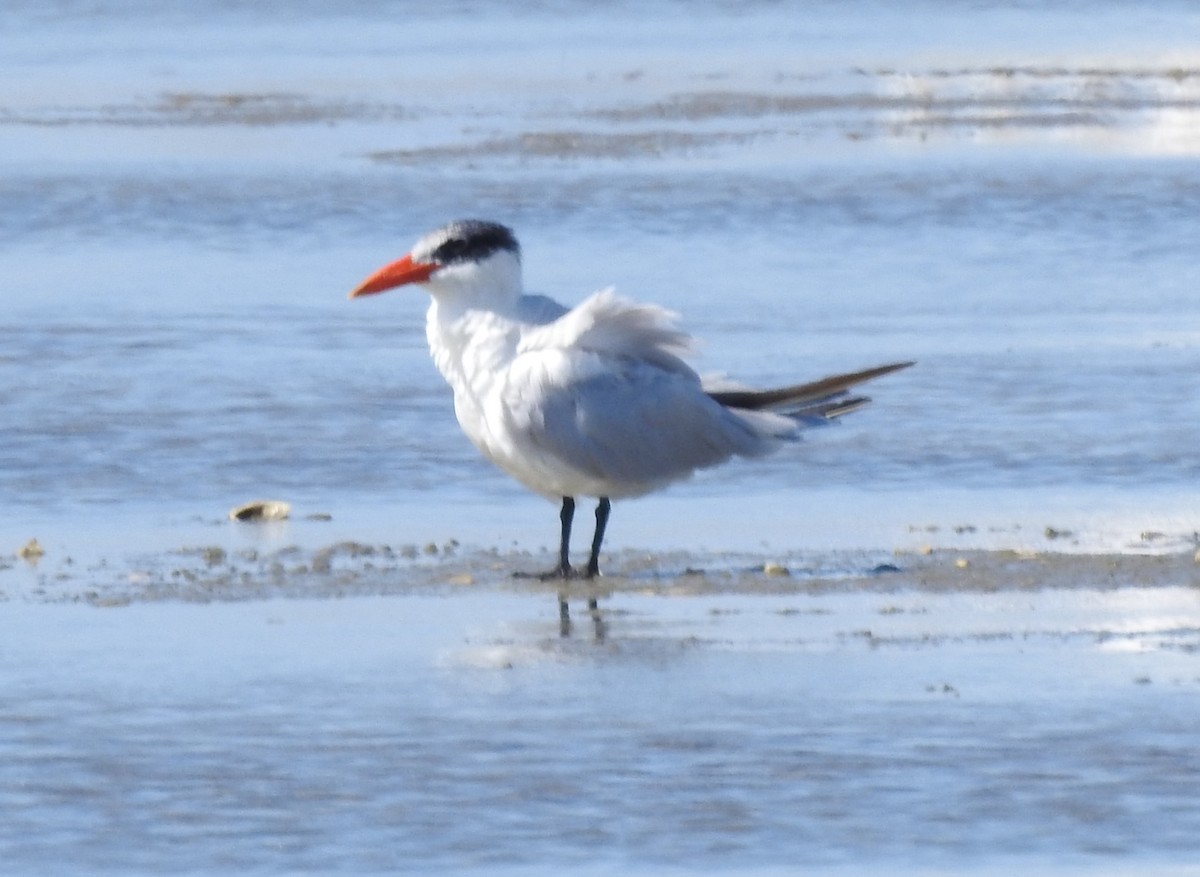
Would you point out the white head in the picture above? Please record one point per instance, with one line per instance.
(470, 261)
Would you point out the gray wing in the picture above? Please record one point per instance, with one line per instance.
(539, 310)
(636, 426)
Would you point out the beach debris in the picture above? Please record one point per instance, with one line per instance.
(261, 510)
(110, 602)
(771, 568)
(213, 555)
(962, 563)
(1055, 533)
(945, 688)
(322, 561)
(31, 551)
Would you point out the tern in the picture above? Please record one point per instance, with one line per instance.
(595, 400)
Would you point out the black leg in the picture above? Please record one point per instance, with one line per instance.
(593, 567)
(564, 546)
(563, 570)
(602, 510)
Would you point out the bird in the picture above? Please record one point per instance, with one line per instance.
(596, 400)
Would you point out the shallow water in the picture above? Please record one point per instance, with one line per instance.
(848, 731)
(1005, 193)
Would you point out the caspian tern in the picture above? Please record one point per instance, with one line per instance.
(594, 400)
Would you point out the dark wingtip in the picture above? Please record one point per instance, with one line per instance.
(882, 370)
(802, 396)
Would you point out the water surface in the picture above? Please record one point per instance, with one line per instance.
(1005, 193)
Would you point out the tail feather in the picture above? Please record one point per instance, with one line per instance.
(824, 399)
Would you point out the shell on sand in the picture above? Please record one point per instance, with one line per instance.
(31, 550)
(261, 510)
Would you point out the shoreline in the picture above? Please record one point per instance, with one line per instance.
(212, 573)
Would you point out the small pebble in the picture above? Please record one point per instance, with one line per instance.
(962, 563)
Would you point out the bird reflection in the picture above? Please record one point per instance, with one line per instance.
(599, 627)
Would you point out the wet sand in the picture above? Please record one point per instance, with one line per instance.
(1134, 108)
(350, 568)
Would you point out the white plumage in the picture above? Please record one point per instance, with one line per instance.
(593, 401)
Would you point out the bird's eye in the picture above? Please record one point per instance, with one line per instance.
(453, 250)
